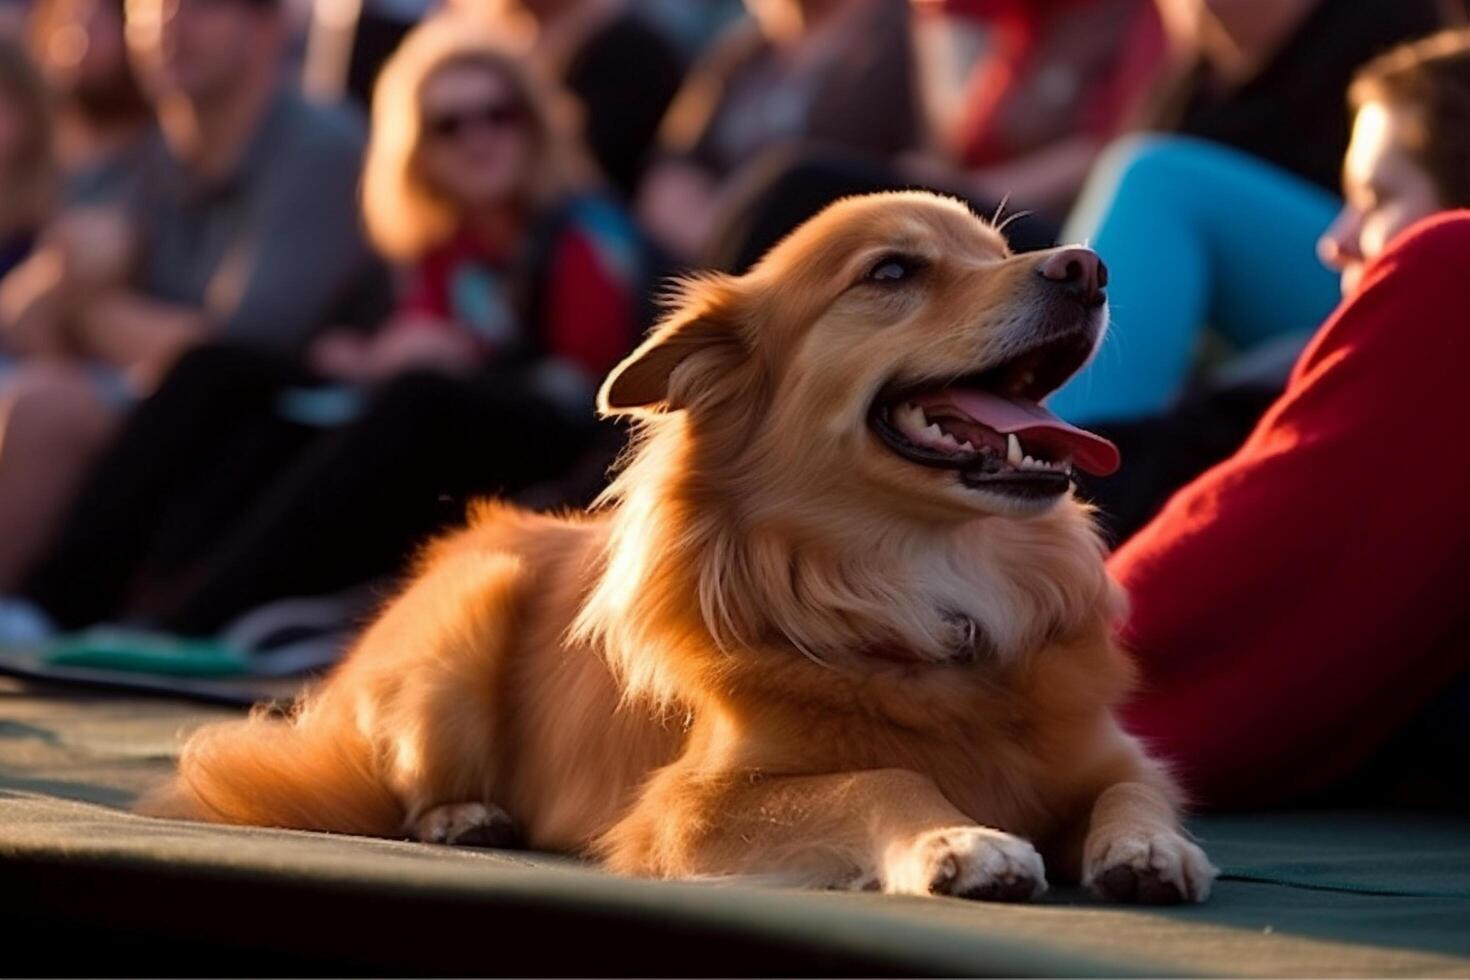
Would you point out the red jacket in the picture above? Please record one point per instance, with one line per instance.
(1296, 604)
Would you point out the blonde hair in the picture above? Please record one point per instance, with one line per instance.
(405, 215)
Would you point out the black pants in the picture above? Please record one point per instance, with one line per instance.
(1163, 453)
(211, 503)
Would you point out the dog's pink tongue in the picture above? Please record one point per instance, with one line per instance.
(1035, 425)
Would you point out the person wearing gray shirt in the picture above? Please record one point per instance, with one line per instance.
(240, 222)
(244, 221)
(271, 252)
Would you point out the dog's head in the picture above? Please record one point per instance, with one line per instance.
(891, 349)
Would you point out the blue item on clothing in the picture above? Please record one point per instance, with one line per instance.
(1195, 235)
(111, 383)
(322, 406)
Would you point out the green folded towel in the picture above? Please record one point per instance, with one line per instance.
(144, 652)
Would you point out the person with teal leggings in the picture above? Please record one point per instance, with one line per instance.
(1196, 236)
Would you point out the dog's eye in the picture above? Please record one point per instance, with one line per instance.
(894, 268)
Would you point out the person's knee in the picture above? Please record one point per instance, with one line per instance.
(1180, 167)
(1137, 175)
(57, 405)
(1144, 160)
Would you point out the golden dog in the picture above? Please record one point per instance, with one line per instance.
(838, 621)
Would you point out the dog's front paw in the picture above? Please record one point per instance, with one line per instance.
(467, 825)
(966, 862)
(1147, 866)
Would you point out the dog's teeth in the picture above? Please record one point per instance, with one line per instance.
(967, 446)
(909, 419)
(1013, 450)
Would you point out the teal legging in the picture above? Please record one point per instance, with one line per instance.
(1194, 235)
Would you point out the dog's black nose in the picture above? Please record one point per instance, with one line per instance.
(1079, 271)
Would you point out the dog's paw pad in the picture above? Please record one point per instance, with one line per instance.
(969, 862)
(468, 825)
(1154, 868)
(1125, 883)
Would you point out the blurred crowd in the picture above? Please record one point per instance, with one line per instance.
(284, 284)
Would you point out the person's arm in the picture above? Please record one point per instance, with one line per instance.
(678, 203)
(678, 198)
(1295, 605)
(83, 254)
(137, 333)
(408, 342)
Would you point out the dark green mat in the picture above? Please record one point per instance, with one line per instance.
(85, 887)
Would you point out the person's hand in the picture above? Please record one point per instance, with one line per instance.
(340, 355)
(98, 245)
(137, 334)
(423, 344)
(407, 343)
(678, 206)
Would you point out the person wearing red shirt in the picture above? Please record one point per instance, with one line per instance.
(1295, 606)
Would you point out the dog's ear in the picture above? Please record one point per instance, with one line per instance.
(704, 318)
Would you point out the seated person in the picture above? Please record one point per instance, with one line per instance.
(1299, 603)
(1053, 82)
(620, 68)
(28, 192)
(241, 222)
(1267, 78)
(245, 479)
(1258, 97)
(1020, 96)
(833, 74)
(1246, 75)
(1181, 232)
(27, 171)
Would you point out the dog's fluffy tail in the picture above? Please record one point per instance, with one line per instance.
(275, 772)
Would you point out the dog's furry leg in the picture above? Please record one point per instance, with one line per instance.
(1136, 850)
(888, 829)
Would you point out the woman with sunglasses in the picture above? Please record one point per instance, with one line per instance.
(246, 479)
(467, 184)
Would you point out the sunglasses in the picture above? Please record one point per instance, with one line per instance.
(492, 115)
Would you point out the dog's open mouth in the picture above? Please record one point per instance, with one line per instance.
(992, 428)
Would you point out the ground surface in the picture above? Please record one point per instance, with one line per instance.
(84, 884)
